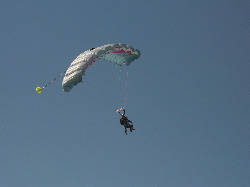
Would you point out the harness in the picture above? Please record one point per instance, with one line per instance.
(124, 121)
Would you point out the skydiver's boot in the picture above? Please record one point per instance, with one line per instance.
(131, 128)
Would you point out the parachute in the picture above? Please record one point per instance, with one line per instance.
(120, 54)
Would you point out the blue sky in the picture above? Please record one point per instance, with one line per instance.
(188, 94)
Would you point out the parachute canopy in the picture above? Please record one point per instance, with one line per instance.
(120, 54)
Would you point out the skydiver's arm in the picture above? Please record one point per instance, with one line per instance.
(119, 111)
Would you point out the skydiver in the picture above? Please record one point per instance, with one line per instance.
(125, 121)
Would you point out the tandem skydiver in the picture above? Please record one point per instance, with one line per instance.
(124, 121)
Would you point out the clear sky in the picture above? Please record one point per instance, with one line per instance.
(188, 94)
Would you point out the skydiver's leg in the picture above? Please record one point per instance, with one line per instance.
(126, 131)
(131, 124)
(131, 128)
